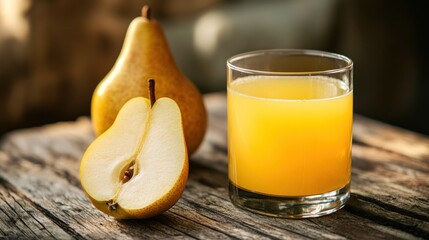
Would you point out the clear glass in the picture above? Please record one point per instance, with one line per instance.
(290, 115)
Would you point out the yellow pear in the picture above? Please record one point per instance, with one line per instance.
(138, 168)
(145, 54)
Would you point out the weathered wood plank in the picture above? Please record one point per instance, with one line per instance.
(20, 219)
(392, 179)
(68, 207)
(391, 138)
(389, 191)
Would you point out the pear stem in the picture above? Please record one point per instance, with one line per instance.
(146, 12)
(152, 91)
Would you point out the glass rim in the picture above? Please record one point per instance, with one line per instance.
(290, 52)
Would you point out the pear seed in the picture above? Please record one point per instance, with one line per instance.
(111, 206)
(128, 174)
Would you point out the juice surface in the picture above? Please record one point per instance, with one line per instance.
(289, 136)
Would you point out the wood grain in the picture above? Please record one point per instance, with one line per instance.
(19, 218)
(41, 196)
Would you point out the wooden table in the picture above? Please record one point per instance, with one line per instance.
(41, 196)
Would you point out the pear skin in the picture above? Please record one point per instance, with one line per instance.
(145, 54)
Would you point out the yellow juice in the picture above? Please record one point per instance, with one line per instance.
(289, 136)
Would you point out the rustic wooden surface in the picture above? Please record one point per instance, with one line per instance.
(41, 197)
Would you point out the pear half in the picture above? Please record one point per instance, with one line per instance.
(138, 168)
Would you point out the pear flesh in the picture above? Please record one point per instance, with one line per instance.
(138, 168)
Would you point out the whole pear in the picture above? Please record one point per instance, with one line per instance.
(145, 54)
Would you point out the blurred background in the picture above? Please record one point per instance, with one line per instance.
(54, 52)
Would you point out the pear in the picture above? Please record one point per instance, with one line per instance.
(145, 54)
(138, 168)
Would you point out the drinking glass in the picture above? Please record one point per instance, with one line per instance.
(290, 114)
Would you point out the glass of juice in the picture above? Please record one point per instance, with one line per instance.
(290, 114)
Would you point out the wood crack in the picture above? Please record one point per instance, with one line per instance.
(210, 184)
(41, 224)
(218, 147)
(266, 235)
(170, 234)
(19, 217)
(177, 229)
(59, 222)
(195, 164)
(252, 227)
(45, 212)
(70, 178)
(61, 173)
(352, 207)
(392, 208)
(198, 206)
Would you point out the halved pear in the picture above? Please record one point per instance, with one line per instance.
(138, 168)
